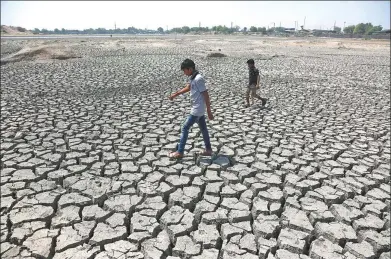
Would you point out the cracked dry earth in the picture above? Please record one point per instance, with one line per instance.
(84, 144)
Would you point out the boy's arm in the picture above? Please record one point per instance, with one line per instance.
(207, 103)
(258, 80)
(200, 84)
(182, 91)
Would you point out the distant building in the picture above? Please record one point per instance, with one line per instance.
(289, 30)
(323, 31)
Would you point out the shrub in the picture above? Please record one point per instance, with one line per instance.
(216, 55)
(21, 29)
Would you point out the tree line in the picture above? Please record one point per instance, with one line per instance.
(223, 29)
(182, 30)
(361, 28)
(129, 30)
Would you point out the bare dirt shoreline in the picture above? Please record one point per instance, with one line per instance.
(215, 42)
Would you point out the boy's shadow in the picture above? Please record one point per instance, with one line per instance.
(259, 107)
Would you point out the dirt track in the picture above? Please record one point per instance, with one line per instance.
(84, 144)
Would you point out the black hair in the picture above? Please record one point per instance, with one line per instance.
(187, 63)
(250, 61)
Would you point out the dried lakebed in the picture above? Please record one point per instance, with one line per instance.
(84, 144)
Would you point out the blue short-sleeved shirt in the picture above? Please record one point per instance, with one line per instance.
(197, 87)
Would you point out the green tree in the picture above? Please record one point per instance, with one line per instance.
(244, 29)
(101, 31)
(360, 28)
(262, 30)
(374, 29)
(199, 29)
(177, 30)
(185, 29)
(253, 29)
(36, 31)
(21, 29)
(195, 29)
(377, 28)
(337, 29)
(160, 30)
(56, 30)
(368, 28)
(349, 29)
(371, 29)
(224, 29)
(221, 29)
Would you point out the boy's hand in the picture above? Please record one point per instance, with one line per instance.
(210, 116)
(184, 90)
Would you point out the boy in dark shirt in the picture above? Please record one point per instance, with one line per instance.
(253, 83)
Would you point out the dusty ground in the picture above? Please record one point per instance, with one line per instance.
(85, 138)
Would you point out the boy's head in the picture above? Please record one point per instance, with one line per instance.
(250, 63)
(188, 67)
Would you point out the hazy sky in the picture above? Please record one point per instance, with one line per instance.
(151, 15)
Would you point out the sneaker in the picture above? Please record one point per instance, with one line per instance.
(264, 100)
(206, 153)
(175, 155)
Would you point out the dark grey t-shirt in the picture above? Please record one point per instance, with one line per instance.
(253, 76)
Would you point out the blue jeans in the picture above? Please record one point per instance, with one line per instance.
(191, 119)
